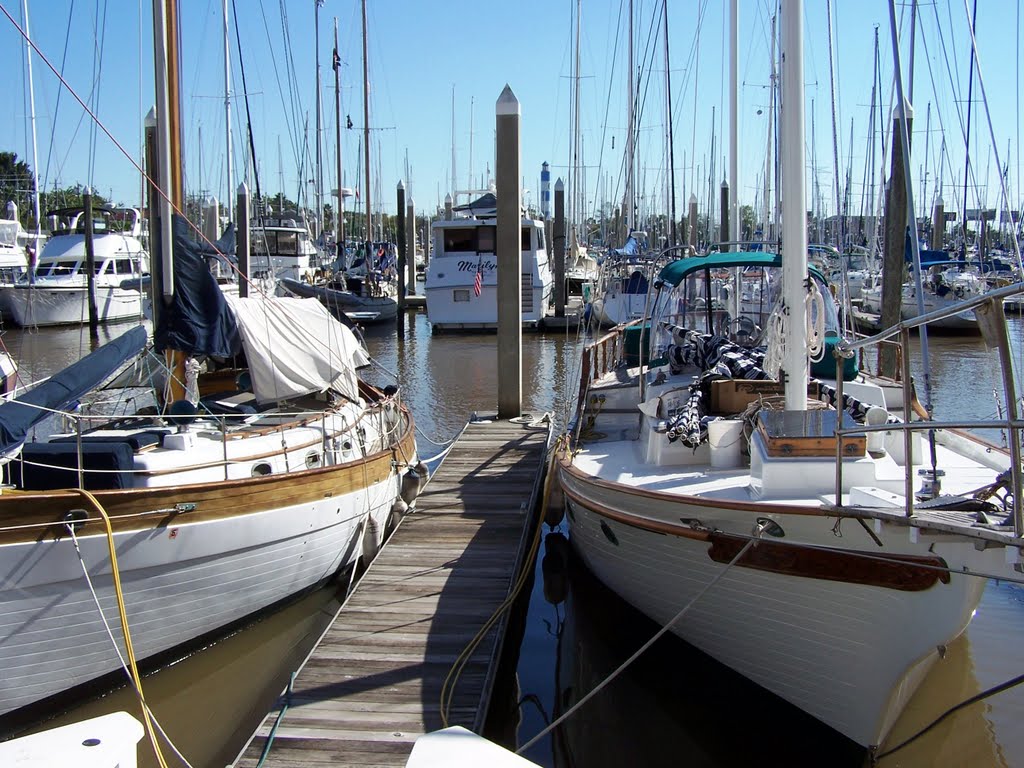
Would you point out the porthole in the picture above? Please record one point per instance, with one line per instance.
(313, 460)
(261, 470)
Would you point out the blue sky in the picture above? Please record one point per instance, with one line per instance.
(419, 52)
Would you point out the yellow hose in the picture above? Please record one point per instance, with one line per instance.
(133, 667)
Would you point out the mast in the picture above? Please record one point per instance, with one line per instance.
(734, 160)
(339, 224)
(630, 150)
(165, 34)
(967, 139)
(794, 197)
(318, 187)
(227, 116)
(366, 132)
(671, 144)
(32, 122)
(455, 178)
(574, 181)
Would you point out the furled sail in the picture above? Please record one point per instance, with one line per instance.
(197, 321)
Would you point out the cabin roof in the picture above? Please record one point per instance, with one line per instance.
(675, 272)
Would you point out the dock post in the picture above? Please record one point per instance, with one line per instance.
(510, 257)
(242, 246)
(691, 224)
(558, 244)
(410, 246)
(448, 207)
(90, 265)
(938, 225)
(895, 238)
(725, 212)
(402, 255)
(211, 219)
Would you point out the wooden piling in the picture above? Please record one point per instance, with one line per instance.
(558, 242)
(90, 265)
(509, 256)
(403, 256)
(243, 244)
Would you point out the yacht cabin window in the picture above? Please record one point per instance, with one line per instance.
(486, 237)
(460, 239)
(526, 239)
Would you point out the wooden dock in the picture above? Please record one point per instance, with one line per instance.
(373, 683)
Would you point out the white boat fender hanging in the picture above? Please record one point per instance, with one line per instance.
(412, 482)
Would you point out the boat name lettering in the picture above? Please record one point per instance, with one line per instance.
(467, 265)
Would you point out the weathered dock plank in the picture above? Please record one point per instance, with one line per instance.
(373, 683)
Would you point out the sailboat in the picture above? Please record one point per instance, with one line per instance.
(828, 551)
(151, 529)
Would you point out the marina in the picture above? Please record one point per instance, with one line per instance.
(525, 470)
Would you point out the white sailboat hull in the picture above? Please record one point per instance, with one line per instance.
(849, 654)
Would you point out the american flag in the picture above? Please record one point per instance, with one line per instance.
(478, 281)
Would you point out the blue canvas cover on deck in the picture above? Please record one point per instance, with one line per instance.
(198, 320)
(18, 416)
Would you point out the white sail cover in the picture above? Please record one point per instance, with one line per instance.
(295, 347)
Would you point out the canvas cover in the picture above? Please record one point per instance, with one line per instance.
(197, 320)
(295, 347)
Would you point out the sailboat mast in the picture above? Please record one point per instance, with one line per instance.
(32, 123)
(794, 197)
(339, 224)
(366, 130)
(574, 174)
(165, 37)
(671, 143)
(455, 178)
(319, 184)
(227, 117)
(629, 130)
(734, 160)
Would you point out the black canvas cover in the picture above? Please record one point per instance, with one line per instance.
(198, 320)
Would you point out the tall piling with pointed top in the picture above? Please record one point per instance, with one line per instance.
(558, 244)
(938, 225)
(211, 219)
(894, 258)
(90, 265)
(691, 223)
(509, 256)
(410, 246)
(242, 246)
(724, 203)
(403, 254)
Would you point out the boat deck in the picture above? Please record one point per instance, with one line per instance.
(373, 683)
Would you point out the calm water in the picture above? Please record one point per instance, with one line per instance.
(674, 705)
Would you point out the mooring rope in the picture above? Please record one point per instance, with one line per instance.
(622, 667)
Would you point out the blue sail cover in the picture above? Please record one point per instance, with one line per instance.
(198, 320)
(18, 416)
(631, 248)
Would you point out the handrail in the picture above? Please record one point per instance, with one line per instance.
(939, 314)
(993, 321)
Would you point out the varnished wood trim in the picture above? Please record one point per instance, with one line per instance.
(39, 515)
(634, 521)
(901, 572)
